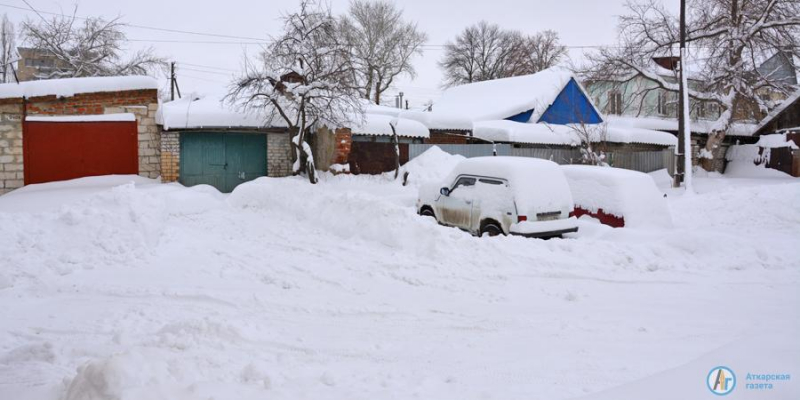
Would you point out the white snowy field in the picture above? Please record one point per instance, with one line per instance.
(124, 288)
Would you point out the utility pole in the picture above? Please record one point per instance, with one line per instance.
(680, 152)
(685, 124)
(401, 101)
(172, 80)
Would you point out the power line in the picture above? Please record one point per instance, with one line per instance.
(153, 28)
(208, 67)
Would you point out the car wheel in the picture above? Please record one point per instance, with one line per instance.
(427, 212)
(491, 229)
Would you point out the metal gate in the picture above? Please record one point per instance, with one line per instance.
(222, 160)
(56, 151)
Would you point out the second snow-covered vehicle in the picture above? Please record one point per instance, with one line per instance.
(502, 195)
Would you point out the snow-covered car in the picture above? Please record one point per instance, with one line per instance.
(502, 195)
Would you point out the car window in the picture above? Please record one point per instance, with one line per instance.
(492, 181)
(463, 181)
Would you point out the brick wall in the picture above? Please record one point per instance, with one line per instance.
(142, 103)
(11, 167)
(279, 155)
(447, 138)
(170, 156)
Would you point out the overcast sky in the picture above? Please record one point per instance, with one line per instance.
(579, 23)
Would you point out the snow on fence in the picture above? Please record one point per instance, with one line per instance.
(643, 161)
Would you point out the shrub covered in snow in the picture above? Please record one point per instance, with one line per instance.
(630, 196)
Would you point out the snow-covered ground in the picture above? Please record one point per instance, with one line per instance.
(124, 288)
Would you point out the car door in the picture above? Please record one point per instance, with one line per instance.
(456, 208)
(493, 200)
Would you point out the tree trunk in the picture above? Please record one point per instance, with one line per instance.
(396, 142)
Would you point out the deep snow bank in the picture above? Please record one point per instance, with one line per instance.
(346, 214)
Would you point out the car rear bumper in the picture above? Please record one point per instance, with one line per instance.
(538, 229)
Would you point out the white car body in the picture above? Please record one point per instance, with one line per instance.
(520, 195)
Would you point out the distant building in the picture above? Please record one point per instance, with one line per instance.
(36, 64)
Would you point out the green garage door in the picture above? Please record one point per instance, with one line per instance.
(222, 160)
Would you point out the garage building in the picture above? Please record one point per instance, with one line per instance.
(62, 129)
(206, 142)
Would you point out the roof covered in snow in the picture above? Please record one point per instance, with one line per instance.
(516, 132)
(121, 117)
(195, 112)
(777, 111)
(71, 86)
(662, 124)
(379, 125)
(497, 99)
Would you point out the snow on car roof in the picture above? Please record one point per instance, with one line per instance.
(624, 193)
(71, 86)
(505, 167)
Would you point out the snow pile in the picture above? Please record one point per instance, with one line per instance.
(346, 215)
(541, 133)
(289, 298)
(744, 169)
(745, 153)
(122, 117)
(431, 166)
(196, 112)
(69, 87)
(623, 193)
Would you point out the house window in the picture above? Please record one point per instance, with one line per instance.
(701, 110)
(663, 103)
(712, 110)
(614, 103)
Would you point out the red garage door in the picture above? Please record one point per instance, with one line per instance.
(56, 151)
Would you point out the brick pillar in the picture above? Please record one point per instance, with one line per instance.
(170, 156)
(343, 143)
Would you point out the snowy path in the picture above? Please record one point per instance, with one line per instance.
(283, 290)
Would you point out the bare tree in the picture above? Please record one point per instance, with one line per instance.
(543, 50)
(8, 49)
(483, 52)
(303, 78)
(592, 139)
(729, 39)
(382, 45)
(87, 47)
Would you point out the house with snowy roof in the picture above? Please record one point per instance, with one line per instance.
(543, 109)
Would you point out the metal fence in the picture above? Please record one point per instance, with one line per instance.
(466, 150)
(644, 161)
